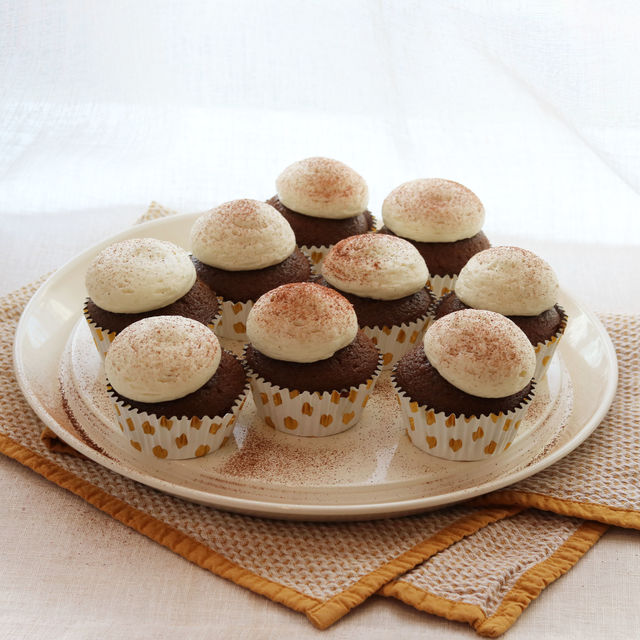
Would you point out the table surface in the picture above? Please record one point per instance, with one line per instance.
(105, 109)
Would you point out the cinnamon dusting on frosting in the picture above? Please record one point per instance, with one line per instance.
(433, 210)
(378, 266)
(323, 188)
(481, 352)
(301, 322)
(242, 235)
(508, 280)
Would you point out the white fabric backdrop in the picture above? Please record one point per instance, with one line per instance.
(105, 106)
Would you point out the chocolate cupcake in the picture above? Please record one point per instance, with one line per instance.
(384, 278)
(311, 370)
(464, 391)
(443, 220)
(242, 249)
(175, 391)
(324, 201)
(142, 278)
(518, 284)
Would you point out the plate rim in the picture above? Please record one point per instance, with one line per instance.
(394, 508)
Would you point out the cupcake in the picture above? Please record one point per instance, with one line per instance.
(311, 370)
(464, 391)
(241, 250)
(384, 278)
(324, 201)
(443, 220)
(141, 278)
(175, 391)
(518, 284)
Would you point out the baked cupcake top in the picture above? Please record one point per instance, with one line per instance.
(322, 188)
(242, 235)
(162, 358)
(301, 322)
(433, 210)
(138, 275)
(480, 352)
(508, 280)
(381, 267)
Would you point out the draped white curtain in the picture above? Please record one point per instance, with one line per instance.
(535, 106)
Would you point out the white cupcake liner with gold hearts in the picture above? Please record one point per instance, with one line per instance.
(544, 350)
(102, 338)
(316, 255)
(310, 413)
(174, 438)
(232, 322)
(441, 285)
(460, 437)
(393, 342)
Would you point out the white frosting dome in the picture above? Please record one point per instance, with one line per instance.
(509, 280)
(374, 265)
(322, 188)
(433, 210)
(139, 275)
(162, 358)
(241, 235)
(301, 322)
(480, 352)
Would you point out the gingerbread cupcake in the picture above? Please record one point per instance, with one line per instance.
(443, 220)
(242, 249)
(324, 201)
(176, 392)
(464, 391)
(311, 370)
(141, 278)
(518, 284)
(385, 279)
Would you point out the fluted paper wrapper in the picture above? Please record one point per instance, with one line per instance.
(102, 338)
(310, 413)
(441, 285)
(545, 350)
(232, 322)
(459, 437)
(174, 438)
(316, 255)
(394, 342)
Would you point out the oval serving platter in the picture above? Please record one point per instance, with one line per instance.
(369, 471)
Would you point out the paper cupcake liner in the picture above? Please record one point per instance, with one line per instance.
(102, 338)
(175, 438)
(544, 350)
(393, 342)
(441, 285)
(310, 413)
(316, 255)
(232, 322)
(460, 437)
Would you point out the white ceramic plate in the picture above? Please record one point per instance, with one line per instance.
(370, 471)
